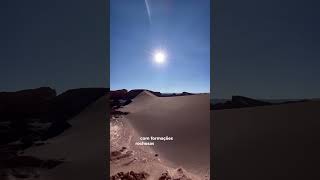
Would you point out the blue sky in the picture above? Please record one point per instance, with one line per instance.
(181, 28)
(58, 43)
(266, 49)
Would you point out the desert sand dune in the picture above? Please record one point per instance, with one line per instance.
(141, 101)
(185, 118)
(83, 146)
(271, 142)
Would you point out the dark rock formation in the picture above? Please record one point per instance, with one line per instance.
(18, 110)
(176, 94)
(242, 102)
(36, 114)
(31, 115)
(115, 112)
(118, 94)
(239, 102)
(179, 174)
(130, 176)
(25, 103)
(186, 94)
(165, 176)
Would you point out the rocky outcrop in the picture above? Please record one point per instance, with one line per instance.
(178, 174)
(239, 102)
(130, 176)
(186, 94)
(118, 94)
(38, 114)
(30, 116)
(25, 103)
(176, 94)
(242, 102)
(19, 110)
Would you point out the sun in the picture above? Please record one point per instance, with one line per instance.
(160, 57)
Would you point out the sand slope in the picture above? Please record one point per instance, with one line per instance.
(271, 142)
(83, 146)
(186, 118)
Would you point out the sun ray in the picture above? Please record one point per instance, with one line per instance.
(148, 10)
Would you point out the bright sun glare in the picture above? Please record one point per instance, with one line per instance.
(160, 57)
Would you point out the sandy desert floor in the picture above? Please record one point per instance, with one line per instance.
(185, 118)
(270, 142)
(82, 147)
